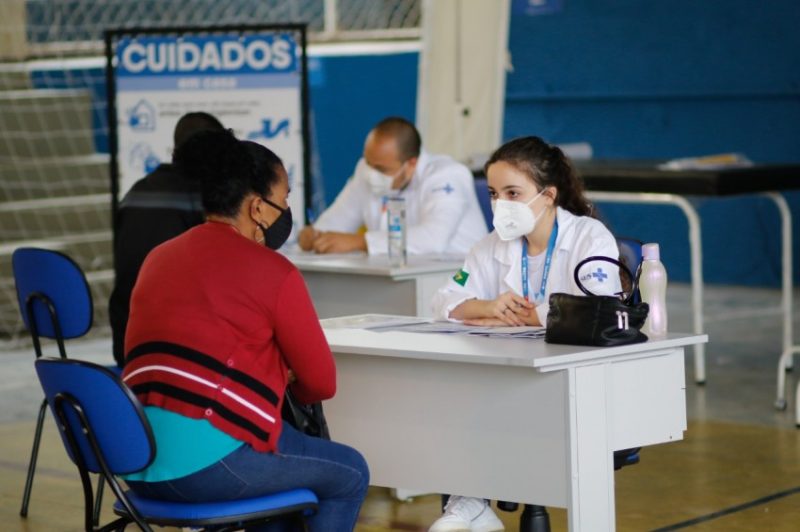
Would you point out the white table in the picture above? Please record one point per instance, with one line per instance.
(505, 419)
(347, 284)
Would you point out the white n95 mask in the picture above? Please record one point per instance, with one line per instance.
(513, 219)
(380, 184)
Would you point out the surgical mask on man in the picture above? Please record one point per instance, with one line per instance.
(513, 219)
(380, 184)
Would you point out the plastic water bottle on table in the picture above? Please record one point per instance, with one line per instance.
(396, 218)
(653, 288)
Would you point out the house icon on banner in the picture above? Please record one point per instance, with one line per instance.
(142, 116)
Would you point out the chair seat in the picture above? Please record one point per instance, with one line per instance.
(626, 457)
(211, 513)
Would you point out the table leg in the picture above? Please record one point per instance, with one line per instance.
(789, 349)
(591, 468)
(696, 254)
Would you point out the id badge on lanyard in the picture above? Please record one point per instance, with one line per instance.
(551, 245)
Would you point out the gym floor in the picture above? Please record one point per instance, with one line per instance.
(737, 469)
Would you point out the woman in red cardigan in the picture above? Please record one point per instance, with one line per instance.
(220, 325)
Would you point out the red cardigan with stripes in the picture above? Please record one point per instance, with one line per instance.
(216, 322)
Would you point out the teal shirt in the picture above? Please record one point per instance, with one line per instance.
(183, 446)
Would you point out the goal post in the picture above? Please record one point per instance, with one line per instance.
(55, 184)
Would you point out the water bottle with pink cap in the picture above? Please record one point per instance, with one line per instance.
(653, 288)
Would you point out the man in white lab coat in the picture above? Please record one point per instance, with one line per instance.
(442, 210)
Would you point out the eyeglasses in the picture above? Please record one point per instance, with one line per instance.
(272, 204)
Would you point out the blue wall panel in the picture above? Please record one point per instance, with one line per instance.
(349, 94)
(651, 129)
(658, 80)
(92, 79)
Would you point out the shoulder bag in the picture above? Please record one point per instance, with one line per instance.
(308, 419)
(596, 320)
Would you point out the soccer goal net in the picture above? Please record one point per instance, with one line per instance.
(54, 160)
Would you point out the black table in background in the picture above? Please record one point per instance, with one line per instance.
(643, 182)
(645, 176)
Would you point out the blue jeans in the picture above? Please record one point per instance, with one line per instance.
(338, 474)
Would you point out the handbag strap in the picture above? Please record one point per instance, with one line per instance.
(634, 278)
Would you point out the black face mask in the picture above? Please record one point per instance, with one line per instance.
(276, 234)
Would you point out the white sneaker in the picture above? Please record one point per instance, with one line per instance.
(467, 514)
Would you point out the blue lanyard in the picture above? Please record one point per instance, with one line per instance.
(551, 245)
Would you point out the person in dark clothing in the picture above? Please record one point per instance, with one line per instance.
(158, 207)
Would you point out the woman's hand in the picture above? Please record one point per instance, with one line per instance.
(508, 308)
(292, 378)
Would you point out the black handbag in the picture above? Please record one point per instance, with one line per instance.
(596, 320)
(308, 419)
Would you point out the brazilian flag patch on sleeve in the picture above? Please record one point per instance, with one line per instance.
(461, 277)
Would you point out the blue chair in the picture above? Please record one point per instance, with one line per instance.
(630, 254)
(56, 303)
(53, 296)
(482, 191)
(93, 408)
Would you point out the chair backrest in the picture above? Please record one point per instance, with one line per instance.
(630, 254)
(43, 276)
(114, 416)
(482, 191)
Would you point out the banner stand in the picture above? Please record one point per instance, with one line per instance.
(253, 78)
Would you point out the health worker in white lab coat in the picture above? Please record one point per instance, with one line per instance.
(542, 231)
(442, 211)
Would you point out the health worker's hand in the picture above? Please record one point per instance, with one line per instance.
(332, 242)
(510, 308)
(306, 237)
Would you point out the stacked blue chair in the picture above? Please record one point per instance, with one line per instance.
(56, 303)
(93, 408)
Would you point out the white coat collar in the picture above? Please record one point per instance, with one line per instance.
(423, 160)
(509, 252)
